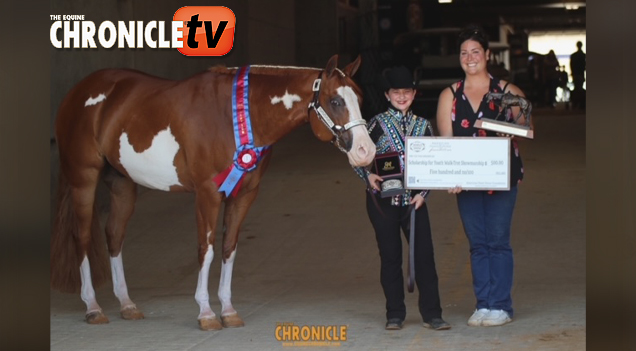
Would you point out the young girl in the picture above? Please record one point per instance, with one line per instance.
(388, 215)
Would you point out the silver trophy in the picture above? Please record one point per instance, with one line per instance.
(506, 100)
(388, 166)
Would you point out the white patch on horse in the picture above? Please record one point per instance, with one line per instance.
(351, 101)
(287, 99)
(88, 293)
(94, 101)
(154, 167)
(360, 136)
(225, 286)
(119, 282)
(202, 296)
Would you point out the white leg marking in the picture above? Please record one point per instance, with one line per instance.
(119, 282)
(225, 286)
(94, 101)
(287, 99)
(153, 167)
(362, 149)
(88, 293)
(202, 296)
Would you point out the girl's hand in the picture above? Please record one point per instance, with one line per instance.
(375, 181)
(418, 200)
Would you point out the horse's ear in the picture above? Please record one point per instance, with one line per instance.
(352, 68)
(332, 65)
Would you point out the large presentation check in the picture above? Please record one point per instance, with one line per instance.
(443, 163)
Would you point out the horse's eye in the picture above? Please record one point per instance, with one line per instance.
(337, 101)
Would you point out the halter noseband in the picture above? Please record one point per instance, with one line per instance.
(336, 130)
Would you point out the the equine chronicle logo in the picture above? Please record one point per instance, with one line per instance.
(194, 31)
(202, 40)
(310, 335)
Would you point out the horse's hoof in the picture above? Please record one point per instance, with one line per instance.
(96, 317)
(210, 324)
(232, 321)
(131, 314)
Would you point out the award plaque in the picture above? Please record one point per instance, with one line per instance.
(389, 168)
(506, 100)
(444, 163)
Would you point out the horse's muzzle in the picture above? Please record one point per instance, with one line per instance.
(362, 149)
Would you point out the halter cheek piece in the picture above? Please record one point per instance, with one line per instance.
(336, 130)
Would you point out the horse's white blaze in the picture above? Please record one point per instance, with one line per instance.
(225, 286)
(351, 101)
(202, 296)
(153, 167)
(119, 282)
(95, 100)
(87, 292)
(363, 149)
(287, 99)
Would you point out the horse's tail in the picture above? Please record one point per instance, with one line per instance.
(66, 257)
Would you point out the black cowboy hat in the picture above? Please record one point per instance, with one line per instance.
(398, 78)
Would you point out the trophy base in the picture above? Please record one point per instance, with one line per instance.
(504, 127)
(391, 192)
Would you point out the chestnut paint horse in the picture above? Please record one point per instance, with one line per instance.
(130, 128)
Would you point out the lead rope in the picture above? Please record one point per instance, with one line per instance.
(411, 274)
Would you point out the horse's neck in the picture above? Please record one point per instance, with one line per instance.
(280, 110)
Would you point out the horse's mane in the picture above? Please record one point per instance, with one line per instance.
(268, 69)
(277, 71)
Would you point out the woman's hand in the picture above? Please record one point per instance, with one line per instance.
(455, 190)
(375, 181)
(505, 135)
(418, 200)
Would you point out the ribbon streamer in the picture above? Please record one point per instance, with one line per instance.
(246, 156)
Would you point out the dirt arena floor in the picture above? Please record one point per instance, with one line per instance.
(307, 256)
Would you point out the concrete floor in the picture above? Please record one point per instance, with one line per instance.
(307, 256)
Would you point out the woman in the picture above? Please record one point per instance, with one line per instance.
(390, 214)
(486, 215)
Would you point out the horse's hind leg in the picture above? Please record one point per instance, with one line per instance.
(83, 198)
(123, 193)
(235, 211)
(208, 202)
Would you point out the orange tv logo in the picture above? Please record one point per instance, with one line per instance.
(207, 30)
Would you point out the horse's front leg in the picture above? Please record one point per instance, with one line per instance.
(235, 211)
(208, 202)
